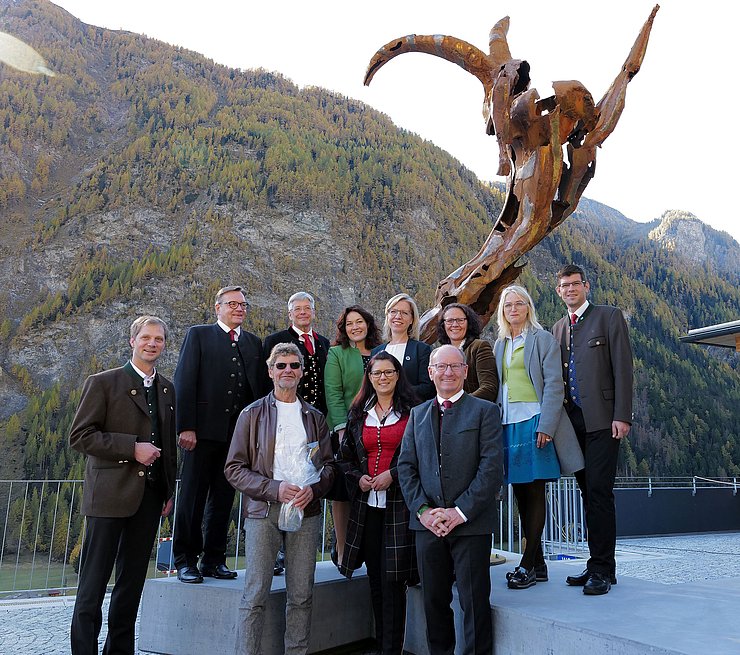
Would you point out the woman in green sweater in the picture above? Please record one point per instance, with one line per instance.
(357, 334)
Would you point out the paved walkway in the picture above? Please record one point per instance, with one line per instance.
(41, 626)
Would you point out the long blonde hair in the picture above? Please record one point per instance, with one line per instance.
(413, 330)
(504, 329)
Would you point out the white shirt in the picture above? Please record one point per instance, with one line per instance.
(372, 420)
(305, 335)
(398, 350)
(290, 440)
(227, 329)
(579, 312)
(148, 379)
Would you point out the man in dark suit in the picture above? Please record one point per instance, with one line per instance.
(125, 425)
(218, 374)
(597, 371)
(313, 346)
(450, 470)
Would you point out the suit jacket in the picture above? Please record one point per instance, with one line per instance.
(603, 358)
(112, 415)
(482, 381)
(465, 470)
(205, 380)
(321, 348)
(416, 367)
(342, 380)
(542, 362)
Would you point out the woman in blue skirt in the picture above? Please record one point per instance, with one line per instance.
(539, 441)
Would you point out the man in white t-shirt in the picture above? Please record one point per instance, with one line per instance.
(269, 434)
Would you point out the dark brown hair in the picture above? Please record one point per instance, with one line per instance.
(474, 328)
(373, 333)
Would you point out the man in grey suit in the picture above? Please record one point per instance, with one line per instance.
(597, 371)
(450, 470)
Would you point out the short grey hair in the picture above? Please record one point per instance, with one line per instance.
(300, 295)
(434, 352)
(141, 322)
(504, 329)
(222, 292)
(413, 330)
(284, 350)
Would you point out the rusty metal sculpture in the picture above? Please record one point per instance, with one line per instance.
(542, 187)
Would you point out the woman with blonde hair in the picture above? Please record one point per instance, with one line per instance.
(539, 441)
(401, 332)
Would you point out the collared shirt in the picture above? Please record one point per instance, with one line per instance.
(144, 376)
(453, 399)
(579, 312)
(515, 412)
(372, 420)
(305, 335)
(227, 329)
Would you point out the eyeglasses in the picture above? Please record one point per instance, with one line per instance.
(441, 368)
(519, 304)
(399, 312)
(455, 321)
(569, 285)
(283, 365)
(233, 304)
(376, 375)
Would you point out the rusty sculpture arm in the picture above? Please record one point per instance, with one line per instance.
(542, 188)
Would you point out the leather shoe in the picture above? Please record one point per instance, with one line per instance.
(220, 572)
(581, 579)
(540, 573)
(189, 574)
(598, 584)
(522, 578)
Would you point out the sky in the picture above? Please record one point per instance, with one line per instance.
(682, 101)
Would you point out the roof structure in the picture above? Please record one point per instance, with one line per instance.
(725, 335)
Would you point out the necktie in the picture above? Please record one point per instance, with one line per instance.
(307, 342)
(234, 336)
(573, 319)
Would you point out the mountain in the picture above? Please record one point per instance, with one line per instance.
(143, 177)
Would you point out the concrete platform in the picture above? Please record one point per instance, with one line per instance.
(636, 618)
(198, 619)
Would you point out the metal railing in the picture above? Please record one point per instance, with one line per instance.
(41, 529)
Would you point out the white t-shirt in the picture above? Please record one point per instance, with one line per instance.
(290, 439)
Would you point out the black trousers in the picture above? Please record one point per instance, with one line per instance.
(127, 542)
(464, 559)
(388, 596)
(596, 482)
(203, 506)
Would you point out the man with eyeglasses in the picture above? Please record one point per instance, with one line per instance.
(597, 373)
(314, 347)
(269, 434)
(450, 470)
(217, 375)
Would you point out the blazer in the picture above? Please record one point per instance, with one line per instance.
(542, 362)
(465, 470)
(111, 417)
(342, 380)
(416, 367)
(204, 379)
(482, 381)
(321, 348)
(603, 358)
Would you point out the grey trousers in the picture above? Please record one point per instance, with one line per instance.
(262, 540)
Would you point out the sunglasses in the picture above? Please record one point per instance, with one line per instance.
(283, 365)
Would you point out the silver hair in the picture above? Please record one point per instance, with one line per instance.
(284, 350)
(300, 295)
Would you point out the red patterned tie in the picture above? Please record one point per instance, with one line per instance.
(573, 319)
(307, 342)
(234, 336)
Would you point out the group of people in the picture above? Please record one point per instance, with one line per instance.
(411, 444)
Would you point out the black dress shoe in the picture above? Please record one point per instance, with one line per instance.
(522, 578)
(220, 572)
(540, 573)
(598, 584)
(578, 580)
(189, 574)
